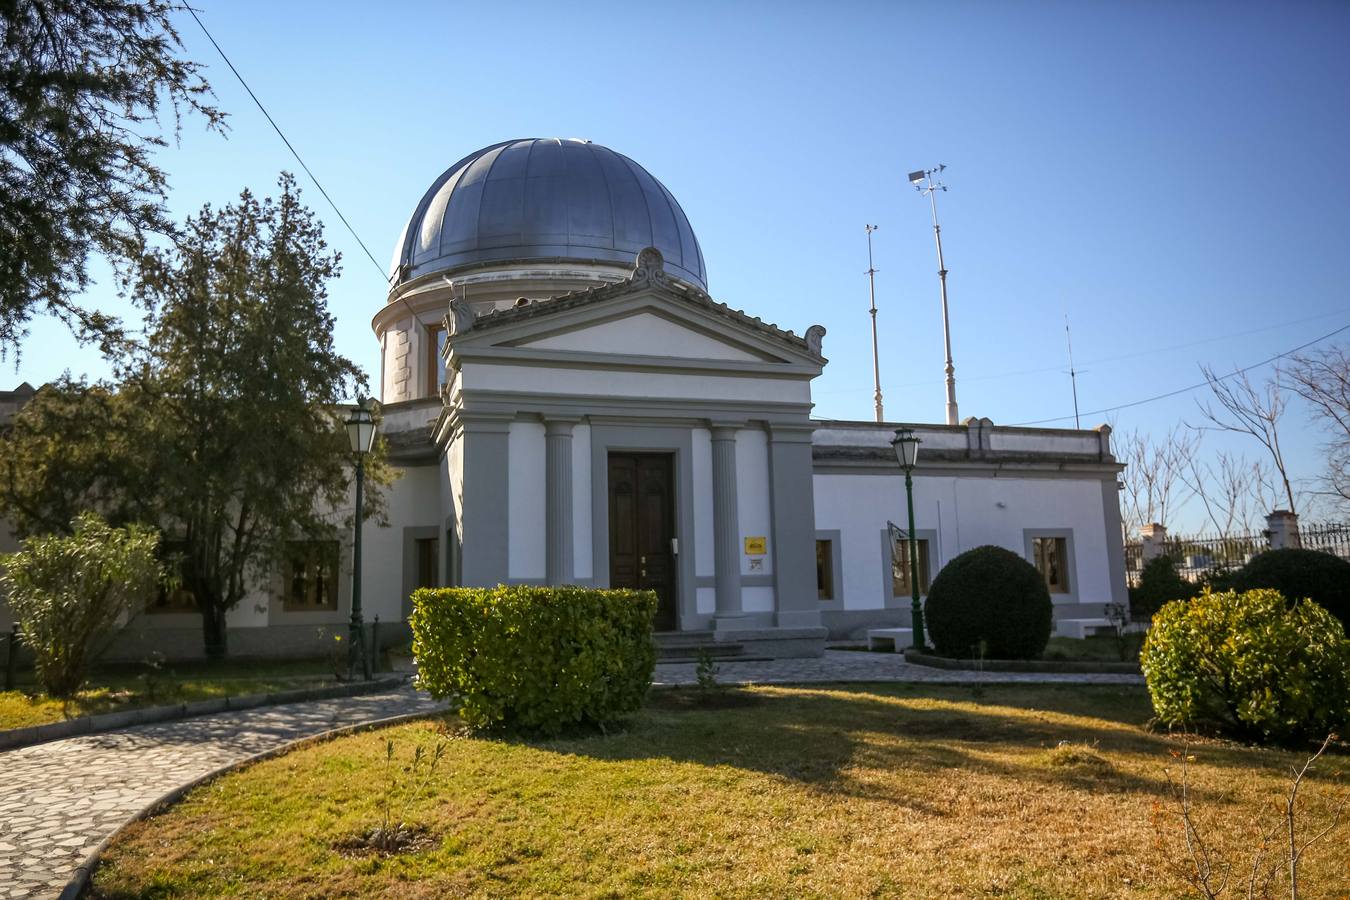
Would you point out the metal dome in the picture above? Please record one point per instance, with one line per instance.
(545, 199)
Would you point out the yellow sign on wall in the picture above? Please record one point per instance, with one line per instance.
(756, 546)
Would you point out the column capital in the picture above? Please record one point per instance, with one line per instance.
(560, 425)
(723, 430)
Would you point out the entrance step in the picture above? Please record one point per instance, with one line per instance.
(687, 646)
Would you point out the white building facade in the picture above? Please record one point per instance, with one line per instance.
(566, 404)
(594, 417)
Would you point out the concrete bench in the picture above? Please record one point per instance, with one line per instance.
(896, 638)
(1080, 628)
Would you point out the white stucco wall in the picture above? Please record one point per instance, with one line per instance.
(965, 512)
(752, 500)
(414, 501)
(526, 498)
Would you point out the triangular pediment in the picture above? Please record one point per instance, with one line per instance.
(647, 317)
(645, 332)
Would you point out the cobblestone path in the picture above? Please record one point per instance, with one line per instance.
(852, 665)
(60, 800)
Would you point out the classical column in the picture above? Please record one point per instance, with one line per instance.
(558, 557)
(726, 522)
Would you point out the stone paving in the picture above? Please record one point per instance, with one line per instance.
(60, 800)
(852, 665)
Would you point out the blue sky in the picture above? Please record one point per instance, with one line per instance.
(1172, 176)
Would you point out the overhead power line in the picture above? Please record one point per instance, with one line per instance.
(1193, 387)
(289, 146)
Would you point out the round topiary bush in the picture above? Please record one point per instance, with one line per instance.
(1250, 663)
(1301, 575)
(989, 595)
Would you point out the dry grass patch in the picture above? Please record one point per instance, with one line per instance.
(869, 791)
(125, 687)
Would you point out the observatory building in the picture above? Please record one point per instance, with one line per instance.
(565, 402)
(569, 405)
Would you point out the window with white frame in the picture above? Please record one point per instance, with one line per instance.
(1050, 556)
(901, 586)
(825, 570)
(435, 364)
(310, 576)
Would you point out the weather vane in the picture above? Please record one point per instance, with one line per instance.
(926, 181)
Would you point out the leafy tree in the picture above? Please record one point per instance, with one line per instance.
(84, 85)
(70, 591)
(224, 427)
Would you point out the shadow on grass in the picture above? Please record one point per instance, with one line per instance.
(831, 738)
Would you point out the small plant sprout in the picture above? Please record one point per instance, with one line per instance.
(706, 671)
(402, 787)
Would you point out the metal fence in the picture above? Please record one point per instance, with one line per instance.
(1198, 556)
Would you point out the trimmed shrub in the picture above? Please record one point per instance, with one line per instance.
(1159, 583)
(1301, 575)
(1251, 664)
(992, 596)
(535, 658)
(70, 593)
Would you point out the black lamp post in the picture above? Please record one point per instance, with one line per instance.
(907, 452)
(361, 432)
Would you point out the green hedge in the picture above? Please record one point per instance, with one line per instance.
(1159, 583)
(535, 658)
(1300, 575)
(1251, 664)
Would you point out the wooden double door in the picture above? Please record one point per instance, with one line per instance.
(642, 529)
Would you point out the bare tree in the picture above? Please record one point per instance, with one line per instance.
(1153, 476)
(1282, 844)
(1323, 379)
(1245, 408)
(1233, 490)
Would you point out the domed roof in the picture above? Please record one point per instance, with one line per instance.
(545, 199)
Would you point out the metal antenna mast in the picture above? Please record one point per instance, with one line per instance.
(1073, 375)
(925, 183)
(872, 289)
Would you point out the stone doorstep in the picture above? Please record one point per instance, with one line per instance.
(13, 738)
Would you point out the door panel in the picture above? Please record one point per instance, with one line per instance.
(641, 526)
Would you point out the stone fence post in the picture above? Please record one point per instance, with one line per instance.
(1153, 540)
(1282, 527)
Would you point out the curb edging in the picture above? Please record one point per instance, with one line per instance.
(80, 879)
(1037, 666)
(14, 738)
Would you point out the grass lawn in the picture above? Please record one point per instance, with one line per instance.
(117, 688)
(920, 791)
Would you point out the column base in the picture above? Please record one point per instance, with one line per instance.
(805, 618)
(741, 621)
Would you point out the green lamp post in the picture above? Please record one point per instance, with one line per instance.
(906, 446)
(361, 432)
